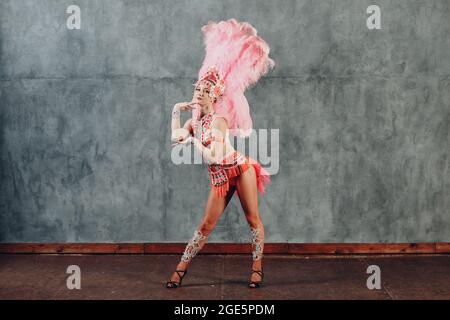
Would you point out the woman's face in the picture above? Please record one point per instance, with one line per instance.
(201, 95)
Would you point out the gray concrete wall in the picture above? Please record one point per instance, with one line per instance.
(363, 117)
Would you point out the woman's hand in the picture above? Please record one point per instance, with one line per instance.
(183, 141)
(184, 106)
(186, 141)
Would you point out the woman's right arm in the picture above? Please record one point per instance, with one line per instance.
(176, 126)
(176, 111)
(176, 117)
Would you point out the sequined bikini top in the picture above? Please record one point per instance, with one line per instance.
(205, 125)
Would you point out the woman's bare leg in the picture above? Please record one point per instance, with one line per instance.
(248, 196)
(215, 206)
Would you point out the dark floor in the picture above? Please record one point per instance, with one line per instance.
(24, 276)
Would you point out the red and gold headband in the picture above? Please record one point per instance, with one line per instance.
(215, 82)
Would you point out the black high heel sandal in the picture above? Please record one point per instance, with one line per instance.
(256, 284)
(175, 284)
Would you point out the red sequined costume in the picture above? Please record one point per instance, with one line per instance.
(225, 174)
(235, 58)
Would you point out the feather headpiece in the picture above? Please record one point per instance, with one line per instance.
(235, 58)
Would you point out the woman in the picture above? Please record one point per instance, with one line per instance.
(235, 58)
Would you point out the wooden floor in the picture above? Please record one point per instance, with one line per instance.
(210, 276)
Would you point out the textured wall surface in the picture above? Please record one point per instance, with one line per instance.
(363, 115)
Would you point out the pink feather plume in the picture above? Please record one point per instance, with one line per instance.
(241, 57)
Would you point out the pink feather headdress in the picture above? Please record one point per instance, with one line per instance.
(235, 59)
